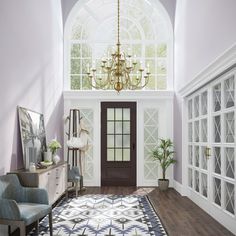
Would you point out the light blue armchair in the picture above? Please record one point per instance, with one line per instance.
(21, 206)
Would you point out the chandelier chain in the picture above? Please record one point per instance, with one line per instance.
(118, 21)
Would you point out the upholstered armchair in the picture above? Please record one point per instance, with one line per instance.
(74, 177)
(21, 206)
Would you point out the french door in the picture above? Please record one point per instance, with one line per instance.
(118, 143)
(212, 147)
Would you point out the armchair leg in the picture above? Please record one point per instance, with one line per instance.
(50, 222)
(22, 229)
(76, 189)
(9, 230)
(37, 227)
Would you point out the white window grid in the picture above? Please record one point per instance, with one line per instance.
(159, 32)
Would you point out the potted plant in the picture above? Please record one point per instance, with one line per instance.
(53, 146)
(164, 154)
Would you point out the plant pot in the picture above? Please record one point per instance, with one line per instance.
(47, 156)
(163, 184)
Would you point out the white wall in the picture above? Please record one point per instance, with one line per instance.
(161, 101)
(31, 62)
(204, 29)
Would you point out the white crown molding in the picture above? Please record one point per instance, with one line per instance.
(112, 95)
(221, 64)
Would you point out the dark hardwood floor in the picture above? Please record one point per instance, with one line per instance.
(179, 215)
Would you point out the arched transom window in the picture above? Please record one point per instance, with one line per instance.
(91, 31)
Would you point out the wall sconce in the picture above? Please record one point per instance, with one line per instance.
(207, 152)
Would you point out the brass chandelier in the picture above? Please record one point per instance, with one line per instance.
(118, 70)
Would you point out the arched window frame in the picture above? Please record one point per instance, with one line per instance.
(67, 44)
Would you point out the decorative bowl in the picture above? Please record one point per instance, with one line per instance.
(46, 163)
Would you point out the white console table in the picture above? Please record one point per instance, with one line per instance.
(53, 179)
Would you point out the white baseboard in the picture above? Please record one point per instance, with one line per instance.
(178, 187)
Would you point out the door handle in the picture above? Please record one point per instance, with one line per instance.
(133, 146)
(207, 152)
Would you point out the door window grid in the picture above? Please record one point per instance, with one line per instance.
(197, 141)
(118, 134)
(223, 144)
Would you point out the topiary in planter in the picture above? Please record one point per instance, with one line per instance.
(164, 154)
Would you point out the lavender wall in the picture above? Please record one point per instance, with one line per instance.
(203, 31)
(31, 63)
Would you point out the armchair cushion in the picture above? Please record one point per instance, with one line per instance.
(30, 212)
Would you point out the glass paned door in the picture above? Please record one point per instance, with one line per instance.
(211, 144)
(223, 143)
(118, 143)
(197, 143)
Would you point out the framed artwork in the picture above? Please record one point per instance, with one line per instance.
(33, 136)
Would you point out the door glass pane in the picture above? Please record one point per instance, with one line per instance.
(126, 154)
(217, 129)
(118, 113)
(229, 127)
(196, 106)
(204, 184)
(118, 141)
(110, 155)
(118, 155)
(110, 114)
(203, 158)
(204, 103)
(190, 132)
(190, 178)
(126, 127)
(126, 113)
(229, 162)
(118, 127)
(204, 130)
(196, 155)
(217, 160)
(217, 97)
(126, 140)
(229, 197)
(110, 141)
(217, 191)
(190, 155)
(110, 127)
(190, 109)
(196, 131)
(229, 92)
(196, 178)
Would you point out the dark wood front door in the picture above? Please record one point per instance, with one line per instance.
(118, 143)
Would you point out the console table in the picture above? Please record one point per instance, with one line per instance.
(52, 178)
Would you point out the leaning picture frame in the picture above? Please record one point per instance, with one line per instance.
(33, 136)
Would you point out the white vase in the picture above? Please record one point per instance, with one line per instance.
(56, 159)
(48, 156)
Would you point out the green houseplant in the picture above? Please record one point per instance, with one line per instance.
(53, 146)
(164, 154)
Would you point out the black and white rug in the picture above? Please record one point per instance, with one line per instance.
(104, 215)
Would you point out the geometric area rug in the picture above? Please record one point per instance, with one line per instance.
(104, 215)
